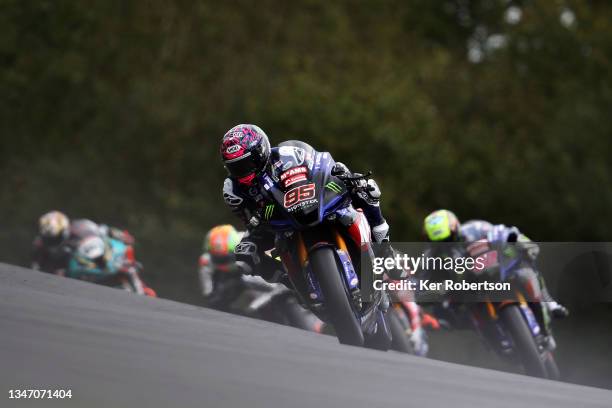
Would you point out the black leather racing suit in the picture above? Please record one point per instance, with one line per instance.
(247, 202)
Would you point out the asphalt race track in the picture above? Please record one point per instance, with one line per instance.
(112, 348)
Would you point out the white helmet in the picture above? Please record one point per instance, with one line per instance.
(53, 227)
(92, 251)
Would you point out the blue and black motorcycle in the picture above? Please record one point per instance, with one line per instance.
(510, 326)
(320, 238)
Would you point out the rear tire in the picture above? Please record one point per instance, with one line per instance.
(400, 341)
(339, 308)
(552, 370)
(381, 338)
(524, 343)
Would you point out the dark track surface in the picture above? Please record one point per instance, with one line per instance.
(116, 349)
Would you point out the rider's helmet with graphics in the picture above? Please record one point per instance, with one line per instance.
(245, 150)
(220, 243)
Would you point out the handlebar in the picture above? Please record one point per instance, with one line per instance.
(355, 178)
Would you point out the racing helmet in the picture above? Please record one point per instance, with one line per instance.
(93, 252)
(82, 228)
(441, 226)
(220, 243)
(245, 151)
(53, 228)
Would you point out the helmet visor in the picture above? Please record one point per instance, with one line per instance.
(54, 240)
(242, 166)
(222, 260)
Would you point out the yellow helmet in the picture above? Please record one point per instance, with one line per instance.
(441, 225)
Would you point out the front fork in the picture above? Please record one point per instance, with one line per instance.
(295, 258)
(302, 272)
(535, 325)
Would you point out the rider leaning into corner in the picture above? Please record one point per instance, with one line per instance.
(59, 240)
(220, 279)
(223, 284)
(444, 226)
(246, 152)
(57, 236)
(49, 252)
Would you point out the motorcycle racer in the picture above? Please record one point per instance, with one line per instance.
(249, 159)
(50, 253)
(444, 226)
(246, 152)
(223, 285)
(53, 245)
(220, 279)
(104, 260)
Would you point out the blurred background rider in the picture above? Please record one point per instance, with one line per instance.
(50, 252)
(225, 287)
(54, 244)
(220, 279)
(444, 226)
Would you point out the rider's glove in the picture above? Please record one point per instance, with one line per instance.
(341, 171)
(367, 190)
(363, 186)
(530, 248)
(254, 221)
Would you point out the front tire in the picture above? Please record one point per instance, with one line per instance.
(524, 343)
(339, 308)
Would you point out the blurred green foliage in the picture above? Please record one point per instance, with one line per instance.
(113, 110)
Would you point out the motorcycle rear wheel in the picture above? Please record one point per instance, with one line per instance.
(399, 341)
(552, 370)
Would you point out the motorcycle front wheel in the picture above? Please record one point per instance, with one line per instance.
(335, 296)
(524, 343)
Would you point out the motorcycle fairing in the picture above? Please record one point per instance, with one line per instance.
(118, 250)
(305, 205)
(313, 193)
(492, 328)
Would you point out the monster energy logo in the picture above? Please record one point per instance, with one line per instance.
(333, 187)
(269, 210)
